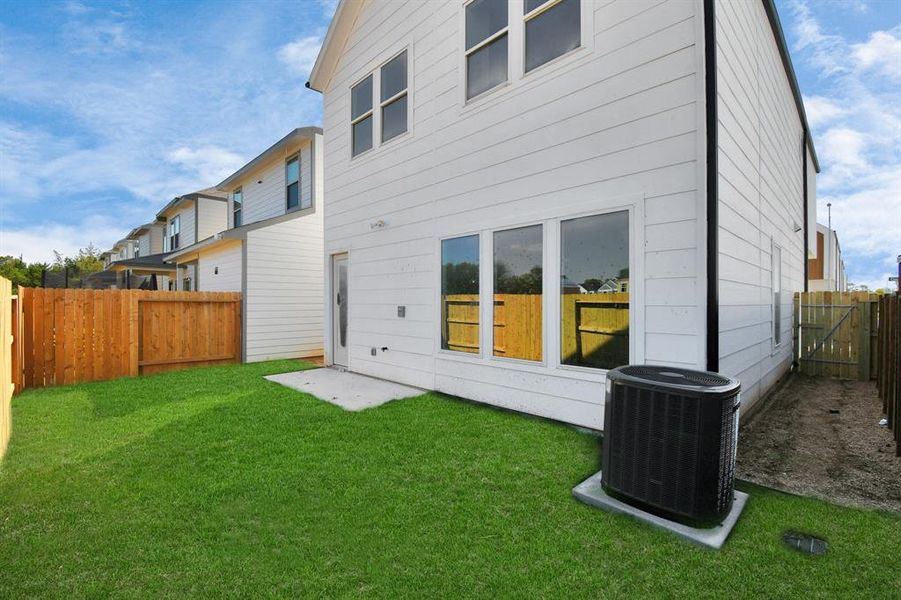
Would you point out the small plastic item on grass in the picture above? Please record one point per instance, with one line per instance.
(805, 543)
(883, 422)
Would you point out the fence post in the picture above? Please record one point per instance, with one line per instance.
(133, 300)
(863, 368)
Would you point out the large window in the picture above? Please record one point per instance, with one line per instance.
(777, 294)
(553, 28)
(174, 231)
(237, 204)
(486, 45)
(292, 182)
(393, 83)
(518, 259)
(361, 116)
(460, 294)
(594, 297)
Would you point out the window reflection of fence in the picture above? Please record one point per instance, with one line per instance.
(595, 328)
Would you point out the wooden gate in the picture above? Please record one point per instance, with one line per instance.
(836, 334)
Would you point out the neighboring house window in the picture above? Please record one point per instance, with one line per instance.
(553, 28)
(137, 249)
(460, 294)
(487, 25)
(361, 116)
(174, 230)
(518, 288)
(292, 181)
(186, 284)
(393, 83)
(595, 332)
(237, 203)
(777, 294)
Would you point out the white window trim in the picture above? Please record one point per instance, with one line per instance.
(374, 68)
(550, 365)
(297, 155)
(240, 189)
(516, 51)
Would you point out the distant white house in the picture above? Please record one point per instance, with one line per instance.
(271, 249)
(187, 219)
(826, 271)
(478, 151)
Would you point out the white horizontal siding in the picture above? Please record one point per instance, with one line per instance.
(617, 119)
(265, 195)
(187, 219)
(219, 268)
(761, 197)
(284, 290)
(211, 217)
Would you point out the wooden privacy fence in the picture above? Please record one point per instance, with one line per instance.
(836, 334)
(888, 376)
(71, 336)
(595, 326)
(6, 361)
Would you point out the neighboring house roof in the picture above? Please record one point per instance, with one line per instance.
(151, 262)
(348, 11)
(141, 229)
(210, 193)
(236, 233)
(276, 149)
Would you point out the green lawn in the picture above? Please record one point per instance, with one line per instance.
(217, 482)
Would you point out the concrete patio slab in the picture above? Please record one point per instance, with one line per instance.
(350, 391)
(591, 492)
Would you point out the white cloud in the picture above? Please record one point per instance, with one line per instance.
(843, 147)
(821, 111)
(36, 243)
(209, 163)
(881, 52)
(300, 55)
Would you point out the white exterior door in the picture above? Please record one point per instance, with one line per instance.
(339, 310)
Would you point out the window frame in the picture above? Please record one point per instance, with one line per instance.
(537, 12)
(551, 364)
(174, 236)
(364, 116)
(776, 324)
(467, 52)
(289, 209)
(441, 349)
(238, 211)
(382, 104)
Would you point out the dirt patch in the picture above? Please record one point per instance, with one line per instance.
(821, 437)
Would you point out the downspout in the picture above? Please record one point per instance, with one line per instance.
(710, 98)
(804, 171)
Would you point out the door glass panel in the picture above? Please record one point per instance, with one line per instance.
(460, 294)
(342, 304)
(594, 291)
(517, 293)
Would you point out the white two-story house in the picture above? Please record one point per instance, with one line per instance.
(187, 219)
(488, 161)
(271, 250)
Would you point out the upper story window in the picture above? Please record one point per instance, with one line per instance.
(137, 247)
(292, 182)
(237, 203)
(361, 116)
(393, 83)
(487, 26)
(553, 28)
(174, 231)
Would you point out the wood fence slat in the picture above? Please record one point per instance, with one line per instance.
(6, 363)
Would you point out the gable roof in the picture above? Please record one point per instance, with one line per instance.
(209, 193)
(339, 30)
(299, 134)
(348, 11)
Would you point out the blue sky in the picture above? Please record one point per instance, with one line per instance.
(109, 109)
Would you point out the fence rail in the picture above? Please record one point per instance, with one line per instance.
(72, 336)
(888, 379)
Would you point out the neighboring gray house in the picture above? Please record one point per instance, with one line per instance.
(271, 250)
(187, 219)
(480, 150)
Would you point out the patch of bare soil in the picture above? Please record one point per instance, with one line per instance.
(821, 437)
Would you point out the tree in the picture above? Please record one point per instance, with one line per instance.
(21, 273)
(592, 285)
(461, 278)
